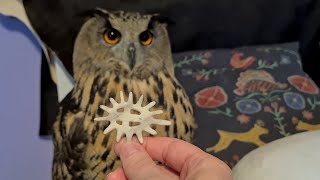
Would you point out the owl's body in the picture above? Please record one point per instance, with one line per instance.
(103, 69)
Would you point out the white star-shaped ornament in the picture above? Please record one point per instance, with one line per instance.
(122, 120)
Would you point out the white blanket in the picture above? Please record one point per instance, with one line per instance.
(295, 157)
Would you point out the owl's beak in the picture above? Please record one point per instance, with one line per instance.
(132, 55)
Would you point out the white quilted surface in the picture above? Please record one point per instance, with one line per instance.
(296, 157)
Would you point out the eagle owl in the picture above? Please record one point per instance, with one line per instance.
(116, 51)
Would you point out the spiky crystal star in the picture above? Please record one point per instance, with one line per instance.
(144, 118)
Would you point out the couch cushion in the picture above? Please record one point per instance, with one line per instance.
(248, 96)
(295, 157)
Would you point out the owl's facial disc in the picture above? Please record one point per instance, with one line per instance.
(132, 55)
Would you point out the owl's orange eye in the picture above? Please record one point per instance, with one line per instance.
(112, 36)
(146, 38)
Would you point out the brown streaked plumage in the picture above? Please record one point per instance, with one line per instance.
(101, 71)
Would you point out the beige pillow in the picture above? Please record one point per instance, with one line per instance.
(296, 157)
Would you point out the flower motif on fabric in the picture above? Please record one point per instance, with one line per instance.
(207, 55)
(278, 111)
(211, 97)
(235, 158)
(285, 60)
(248, 106)
(303, 84)
(206, 74)
(243, 119)
(295, 120)
(199, 74)
(125, 122)
(263, 64)
(307, 115)
(202, 74)
(313, 102)
(287, 57)
(294, 100)
(202, 57)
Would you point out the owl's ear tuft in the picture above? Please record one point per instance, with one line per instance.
(97, 12)
(160, 19)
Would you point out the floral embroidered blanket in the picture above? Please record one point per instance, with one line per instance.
(246, 97)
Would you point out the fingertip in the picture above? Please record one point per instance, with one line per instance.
(124, 142)
(117, 146)
(111, 176)
(126, 149)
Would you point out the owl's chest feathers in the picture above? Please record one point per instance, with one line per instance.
(92, 91)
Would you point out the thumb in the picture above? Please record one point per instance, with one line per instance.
(136, 162)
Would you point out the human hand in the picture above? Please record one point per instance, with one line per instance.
(183, 161)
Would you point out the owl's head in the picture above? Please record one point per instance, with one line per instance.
(131, 39)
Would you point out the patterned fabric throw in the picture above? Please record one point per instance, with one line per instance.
(246, 97)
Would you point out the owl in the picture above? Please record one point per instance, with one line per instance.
(116, 51)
